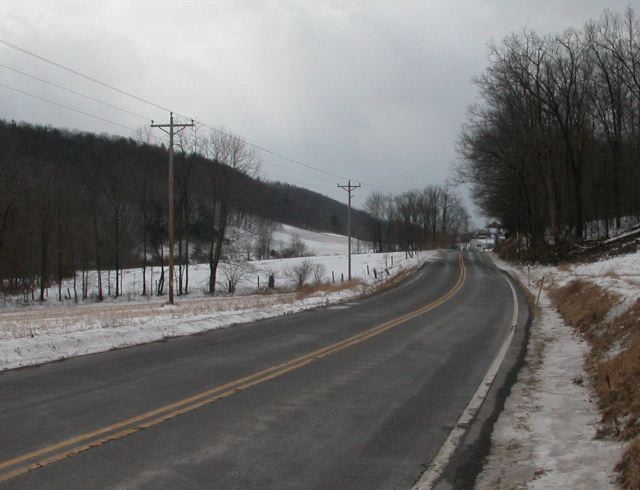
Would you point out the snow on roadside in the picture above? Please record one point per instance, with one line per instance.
(38, 335)
(619, 275)
(544, 438)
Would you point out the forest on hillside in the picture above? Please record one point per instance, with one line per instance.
(73, 201)
(553, 146)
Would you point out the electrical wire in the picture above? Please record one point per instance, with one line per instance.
(270, 152)
(82, 75)
(158, 106)
(145, 101)
(269, 162)
(73, 109)
(274, 177)
(107, 104)
(66, 107)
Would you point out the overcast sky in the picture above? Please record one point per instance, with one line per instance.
(371, 90)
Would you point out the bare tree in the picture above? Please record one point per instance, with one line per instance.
(319, 272)
(234, 271)
(300, 272)
(232, 157)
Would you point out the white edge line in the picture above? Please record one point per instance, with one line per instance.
(439, 463)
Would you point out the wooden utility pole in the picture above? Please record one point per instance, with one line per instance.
(349, 188)
(173, 129)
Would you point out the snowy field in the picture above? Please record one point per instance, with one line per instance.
(326, 249)
(42, 333)
(545, 437)
(317, 243)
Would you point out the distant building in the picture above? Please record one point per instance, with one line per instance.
(482, 243)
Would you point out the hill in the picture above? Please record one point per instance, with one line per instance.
(72, 201)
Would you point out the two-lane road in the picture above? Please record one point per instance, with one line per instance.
(361, 394)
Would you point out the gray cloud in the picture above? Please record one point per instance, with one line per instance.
(373, 90)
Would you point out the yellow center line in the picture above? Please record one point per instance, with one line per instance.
(154, 417)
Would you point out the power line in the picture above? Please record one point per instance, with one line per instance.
(297, 162)
(67, 107)
(289, 180)
(261, 148)
(76, 93)
(82, 75)
(73, 109)
(158, 106)
(269, 162)
(99, 118)
(319, 188)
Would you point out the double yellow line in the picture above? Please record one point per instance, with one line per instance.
(75, 445)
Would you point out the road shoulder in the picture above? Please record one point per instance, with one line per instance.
(467, 459)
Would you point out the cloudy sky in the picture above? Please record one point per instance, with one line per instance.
(371, 90)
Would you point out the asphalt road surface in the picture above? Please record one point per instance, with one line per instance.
(355, 395)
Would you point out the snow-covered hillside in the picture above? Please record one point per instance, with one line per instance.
(316, 243)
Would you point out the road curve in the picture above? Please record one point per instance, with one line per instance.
(361, 394)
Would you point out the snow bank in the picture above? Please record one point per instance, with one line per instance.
(544, 438)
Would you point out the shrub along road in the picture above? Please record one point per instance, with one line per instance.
(361, 394)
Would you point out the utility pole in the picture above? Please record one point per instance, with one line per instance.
(173, 129)
(349, 188)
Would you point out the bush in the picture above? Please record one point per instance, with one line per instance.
(300, 273)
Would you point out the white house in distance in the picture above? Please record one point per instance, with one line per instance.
(487, 238)
(482, 243)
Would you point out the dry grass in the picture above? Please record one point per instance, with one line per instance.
(327, 287)
(583, 305)
(33, 322)
(629, 467)
(367, 289)
(614, 361)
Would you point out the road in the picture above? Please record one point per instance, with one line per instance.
(361, 394)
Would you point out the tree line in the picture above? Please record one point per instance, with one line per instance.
(72, 201)
(416, 220)
(553, 147)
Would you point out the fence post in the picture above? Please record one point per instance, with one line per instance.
(540, 290)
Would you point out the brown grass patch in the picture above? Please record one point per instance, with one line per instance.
(583, 305)
(326, 287)
(614, 361)
(629, 467)
(617, 385)
(381, 285)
